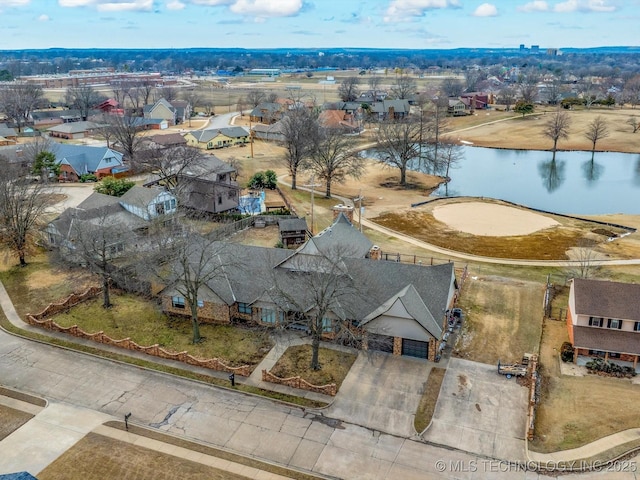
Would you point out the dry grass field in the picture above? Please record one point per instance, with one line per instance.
(11, 420)
(503, 319)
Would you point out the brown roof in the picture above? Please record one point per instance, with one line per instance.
(606, 340)
(598, 298)
(168, 139)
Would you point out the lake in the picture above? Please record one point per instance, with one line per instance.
(572, 184)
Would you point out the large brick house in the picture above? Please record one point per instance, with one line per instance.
(404, 310)
(603, 320)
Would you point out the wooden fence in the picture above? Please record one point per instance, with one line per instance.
(41, 320)
(299, 382)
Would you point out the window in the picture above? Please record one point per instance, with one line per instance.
(614, 323)
(244, 308)
(173, 204)
(268, 315)
(595, 321)
(160, 208)
(219, 199)
(200, 303)
(177, 302)
(327, 325)
(231, 194)
(636, 327)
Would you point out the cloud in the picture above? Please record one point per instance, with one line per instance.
(44, 18)
(570, 6)
(486, 10)
(14, 3)
(175, 5)
(535, 6)
(405, 10)
(110, 5)
(210, 3)
(267, 8)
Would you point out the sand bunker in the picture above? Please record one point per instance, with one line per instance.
(491, 220)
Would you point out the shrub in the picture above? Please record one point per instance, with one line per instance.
(116, 187)
(566, 352)
(88, 177)
(599, 365)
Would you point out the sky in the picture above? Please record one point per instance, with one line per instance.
(411, 24)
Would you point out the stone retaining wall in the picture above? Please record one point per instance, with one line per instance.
(298, 382)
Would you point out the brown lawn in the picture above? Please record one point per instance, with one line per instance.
(503, 319)
(11, 420)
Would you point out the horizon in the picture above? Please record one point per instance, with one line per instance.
(301, 24)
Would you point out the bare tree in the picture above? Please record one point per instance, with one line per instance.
(349, 90)
(22, 206)
(169, 93)
(96, 243)
(299, 129)
(255, 97)
(553, 92)
(404, 87)
(333, 160)
(452, 87)
(507, 97)
(124, 130)
(596, 130)
(317, 292)
(374, 84)
(399, 144)
(557, 128)
(18, 100)
(187, 263)
(631, 91)
(584, 260)
(528, 89)
(83, 98)
(450, 156)
(633, 121)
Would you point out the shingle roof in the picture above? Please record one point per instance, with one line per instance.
(167, 139)
(342, 233)
(606, 340)
(73, 127)
(599, 298)
(292, 224)
(83, 158)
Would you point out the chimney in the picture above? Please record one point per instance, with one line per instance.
(375, 253)
(346, 209)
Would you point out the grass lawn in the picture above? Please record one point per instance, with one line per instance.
(429, 399)
(11, 420)
(142, 321)
(574, 411)
(99, 457)
(297, 360)
(503, 319)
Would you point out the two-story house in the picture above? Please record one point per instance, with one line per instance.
(603, 320)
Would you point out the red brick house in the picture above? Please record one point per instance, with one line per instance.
(603, 320)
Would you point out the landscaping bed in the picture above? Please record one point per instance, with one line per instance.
(296, 361)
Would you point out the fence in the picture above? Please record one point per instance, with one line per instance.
(40, 320)
(229, 229)
(298, 382)
(534, 395)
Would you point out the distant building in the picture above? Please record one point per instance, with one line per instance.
(535, 48)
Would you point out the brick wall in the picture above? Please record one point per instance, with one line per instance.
(209, 313)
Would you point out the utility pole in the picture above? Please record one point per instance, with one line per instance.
(359, 199)
(312, 185)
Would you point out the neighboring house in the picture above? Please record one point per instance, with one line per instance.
(603, 320)
(456, 108)
(405, 309)
(293, 232)
(391, 109)
(77, 160)
(129, 216)
(42, 118)
(74, 130)
(166, 140)
(477, 100)
(174, 113)
(339, 120)
(110, 106)
(269, 133)
(207, 186)
(148, 203)
(217, 137)
(8, 134)
(267, 112)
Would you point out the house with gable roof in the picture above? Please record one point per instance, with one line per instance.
(217, 137)
(404, 310)
(78, 160)
(174, 113)
(603, 320)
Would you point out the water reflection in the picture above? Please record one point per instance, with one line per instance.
(552, 173)
(592, 171)
(636, 177)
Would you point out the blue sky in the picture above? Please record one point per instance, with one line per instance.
(317, 23)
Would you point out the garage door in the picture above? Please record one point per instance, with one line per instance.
(415, 348)
(380, 343)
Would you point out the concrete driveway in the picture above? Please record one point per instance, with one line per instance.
(480, 411)
(382, 392)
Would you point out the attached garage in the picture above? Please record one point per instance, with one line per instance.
(415, 348)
